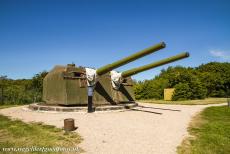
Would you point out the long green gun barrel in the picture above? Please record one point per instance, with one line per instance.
(104, 69)
(153, 65)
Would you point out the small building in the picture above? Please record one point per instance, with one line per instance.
(168, 94)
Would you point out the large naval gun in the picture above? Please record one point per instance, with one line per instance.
(70, 85)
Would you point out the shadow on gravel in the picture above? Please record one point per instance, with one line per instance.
(145, 111)
(158, 108)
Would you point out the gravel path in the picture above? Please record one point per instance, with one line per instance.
(147, 129)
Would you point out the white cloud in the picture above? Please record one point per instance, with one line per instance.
(221, 54)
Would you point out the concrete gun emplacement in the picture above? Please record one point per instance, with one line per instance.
(69, 85)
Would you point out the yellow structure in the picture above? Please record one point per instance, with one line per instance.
(168, 93)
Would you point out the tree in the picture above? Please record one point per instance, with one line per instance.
(3, 78)
(216, 78)
(182, 92)
(207, 80)
(22, 91)
(37, 85)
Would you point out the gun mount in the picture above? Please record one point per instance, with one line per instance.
(69, 85)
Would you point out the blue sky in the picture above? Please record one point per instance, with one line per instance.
(35, 35)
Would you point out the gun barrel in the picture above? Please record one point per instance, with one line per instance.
(104, 69)
(153, 65)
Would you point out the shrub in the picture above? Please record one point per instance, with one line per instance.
(182, 92)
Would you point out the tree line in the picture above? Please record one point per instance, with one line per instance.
(207, 80)
(21, 91)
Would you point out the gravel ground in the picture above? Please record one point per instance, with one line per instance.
(147, 129)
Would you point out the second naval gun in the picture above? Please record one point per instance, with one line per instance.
(69, 85)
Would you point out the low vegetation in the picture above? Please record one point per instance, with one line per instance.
(187, 102)
(6, 106)
(17, 134)
(209, 132)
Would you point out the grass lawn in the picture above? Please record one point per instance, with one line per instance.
(6, 106)
(188, 102)
(15, 133)
(210, 132)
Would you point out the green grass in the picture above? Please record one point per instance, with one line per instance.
(15, 133)
(210, 133)
(188, 102)
(6, 106)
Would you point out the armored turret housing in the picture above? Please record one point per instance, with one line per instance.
(68, 85)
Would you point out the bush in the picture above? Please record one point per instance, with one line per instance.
(189, 91)
(182, 92)
(150, 89)
(198, 90)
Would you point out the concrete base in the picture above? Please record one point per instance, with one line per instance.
(44, 107)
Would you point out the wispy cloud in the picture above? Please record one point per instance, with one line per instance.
(220, 53)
